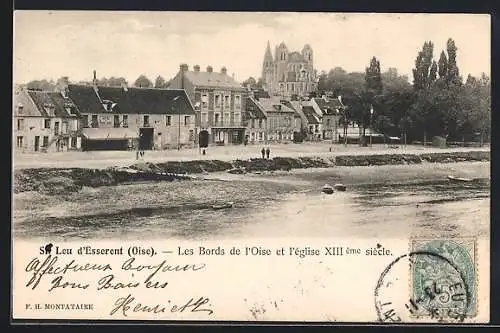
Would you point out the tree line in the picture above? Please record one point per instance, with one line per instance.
(437, 103)
(141, 82)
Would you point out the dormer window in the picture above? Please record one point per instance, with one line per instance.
(108, 105)
(49, 108)
(277, 107)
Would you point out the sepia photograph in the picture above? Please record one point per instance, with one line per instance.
(352, 148)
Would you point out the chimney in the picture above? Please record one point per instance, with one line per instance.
(94, 80)
(209, 69)
(184, 67)
(223, 70)
(196, 68)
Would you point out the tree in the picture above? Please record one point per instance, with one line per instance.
(422, 78)
(41, 85)
(373, 79)
(260, 84)
(160, 82)
(453, 72)
(62, 82)
(443, 66)
(250, 83)
(143, 82)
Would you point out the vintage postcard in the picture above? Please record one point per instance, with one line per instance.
(251, 167)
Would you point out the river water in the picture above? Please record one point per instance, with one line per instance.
(430, 207)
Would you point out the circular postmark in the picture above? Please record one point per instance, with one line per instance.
(439, 289)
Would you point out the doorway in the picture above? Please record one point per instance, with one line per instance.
(203, 138)
(146, 138)
(37, 143)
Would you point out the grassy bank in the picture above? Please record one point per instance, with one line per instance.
(53, 181)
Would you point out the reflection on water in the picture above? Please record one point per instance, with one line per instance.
(372, 210)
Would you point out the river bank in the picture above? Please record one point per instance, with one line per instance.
(56, 181)
(183, 208)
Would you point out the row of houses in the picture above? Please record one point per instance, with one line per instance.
(199, 107)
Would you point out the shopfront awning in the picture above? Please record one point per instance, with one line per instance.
(109, 133)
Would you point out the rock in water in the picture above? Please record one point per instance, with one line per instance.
(339, 187)
(328, 189)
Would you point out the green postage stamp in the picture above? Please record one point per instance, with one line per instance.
(443, 278)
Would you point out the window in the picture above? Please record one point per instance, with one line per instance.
(46, 123)
(260, 123)
(226, 102)
(116, 121)
(95, 122)
(169, 121)
(237, 101)
(260, 136)
(253, 123)
(85, 121)
(19, 141)
(204, 101)
(73, 142)
(237, 119)
(20, 108)
(186, 120)
(204, 118)
(226, 118)
(217, 101)
(125, 120)
(45, 142)
(328, 122)
(146, 121)
(191, 135)
(217, 119)
(20, 125)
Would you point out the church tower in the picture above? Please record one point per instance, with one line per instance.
(268, 68)
(281, 66)
(307, 53)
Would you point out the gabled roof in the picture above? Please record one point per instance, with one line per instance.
(131, 100)
(255, 112)
(328, 106)
(212, 79)
(22, 99)
(85, 98)
(294, 105)
(274, 105)
(310, 115)
(53, 104)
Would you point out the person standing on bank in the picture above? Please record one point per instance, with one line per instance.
(268, 151)
(263, 152)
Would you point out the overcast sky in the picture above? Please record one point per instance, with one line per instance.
(73, 43)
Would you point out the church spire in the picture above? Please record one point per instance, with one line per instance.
(268, 56)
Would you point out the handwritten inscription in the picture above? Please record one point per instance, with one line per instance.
(126, 304)
(51, 266)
